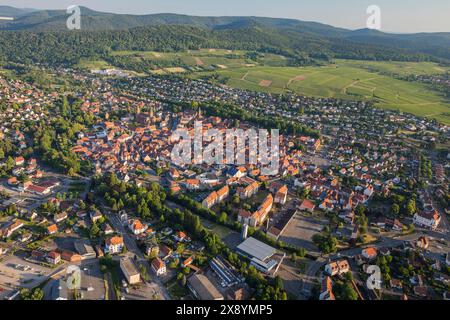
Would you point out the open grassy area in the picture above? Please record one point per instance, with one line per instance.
(93, 64)
(204, 59)
(348, 80)
(176, 290)
(221, 231)
(78, 186)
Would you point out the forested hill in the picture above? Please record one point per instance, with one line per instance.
(6, 11)
(42, 36)
(67, 47)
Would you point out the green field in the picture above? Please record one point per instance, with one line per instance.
(348, 80)
(204, 59)
(345, 79)
(93, 64)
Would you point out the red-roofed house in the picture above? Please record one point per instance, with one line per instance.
(19, 161)
(53, 258)
(52, 229)
(369, 253)
(187, 262)
(307, 205)
(159, 267)
(114, 245)
(137, 227)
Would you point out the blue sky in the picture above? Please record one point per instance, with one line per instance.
(397, 15)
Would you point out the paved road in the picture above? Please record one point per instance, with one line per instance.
(132, 247)
(309, 277)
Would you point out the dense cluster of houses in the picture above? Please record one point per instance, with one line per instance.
(361, 154)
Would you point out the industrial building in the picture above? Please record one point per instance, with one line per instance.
(260, 254)
(224, 271)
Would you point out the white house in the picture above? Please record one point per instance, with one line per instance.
(114, 245)
(137, 227)
(159, 267)
(430, 219)
(337, 268)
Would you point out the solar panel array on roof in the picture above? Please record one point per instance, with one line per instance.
(257, 249)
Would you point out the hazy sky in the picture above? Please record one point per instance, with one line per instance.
(397, 15)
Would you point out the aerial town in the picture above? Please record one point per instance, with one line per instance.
(93, 208)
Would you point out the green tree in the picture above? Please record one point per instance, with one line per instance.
(223, 218)
(395, 209)
(411, 207)
(94, 232)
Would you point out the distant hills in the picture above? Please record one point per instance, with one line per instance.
(318, 41)
(6, 11)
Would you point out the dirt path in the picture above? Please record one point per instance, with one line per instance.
(199, 61)
(245, 76)
(344, 90)
(297, 78)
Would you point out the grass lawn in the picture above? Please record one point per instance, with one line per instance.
(221, 231)
(176, 290)
(77, 187)
(368, 239)
(93, 64)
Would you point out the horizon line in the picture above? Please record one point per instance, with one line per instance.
(226, 16)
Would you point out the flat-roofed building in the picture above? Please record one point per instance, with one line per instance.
(203, 289)
(259, 254)
(224, 271)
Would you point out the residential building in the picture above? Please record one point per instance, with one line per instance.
(369, 253)
(428, 219)
(130, 271)
(337, 268)
(114, 245)
(249, 191)
(159, 267)
(137, 227)
(281, 195)
(53, 258)
(307, 205)
(326, 293)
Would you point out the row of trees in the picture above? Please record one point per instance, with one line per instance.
(223, 219)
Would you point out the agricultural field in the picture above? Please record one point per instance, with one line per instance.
(347, 80)
(193, 60)
(344, 79)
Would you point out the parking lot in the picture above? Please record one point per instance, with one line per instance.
(92, 281)
(300, 231)
(16, 273)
